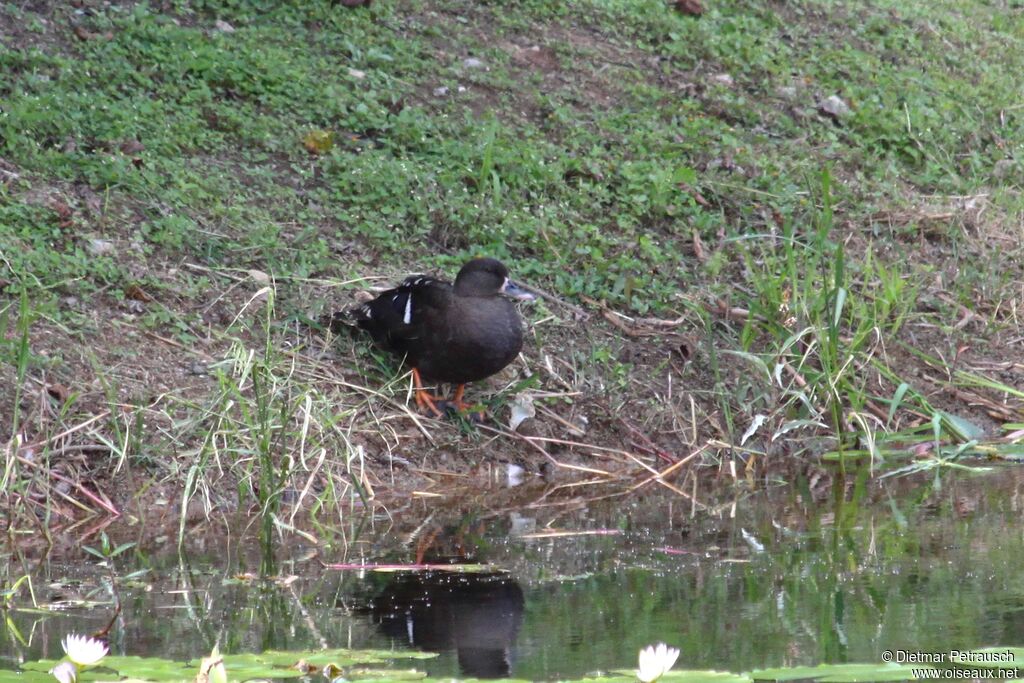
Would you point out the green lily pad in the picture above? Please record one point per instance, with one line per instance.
(357, 664)
(364, 674)
(840, 673)
(8, 676)
(683, 676)
(990, 658)
(116, 667)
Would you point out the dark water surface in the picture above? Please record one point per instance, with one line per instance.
(793, 575)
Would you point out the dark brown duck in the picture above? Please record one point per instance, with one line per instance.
(455, 333)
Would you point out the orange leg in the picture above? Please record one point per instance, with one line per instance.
(424, 399)
(457, 400)
(463, 407)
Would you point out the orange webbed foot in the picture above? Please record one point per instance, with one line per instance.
(424, 399)
(463, 408)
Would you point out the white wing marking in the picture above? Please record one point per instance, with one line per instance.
(407, 318)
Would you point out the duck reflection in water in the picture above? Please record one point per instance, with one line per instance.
(476, 615)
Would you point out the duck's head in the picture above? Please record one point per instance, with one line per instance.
(488, 277)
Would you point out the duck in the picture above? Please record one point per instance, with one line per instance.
(452, 333)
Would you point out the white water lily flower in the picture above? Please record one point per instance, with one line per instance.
(65, 672)
(655, 661)
(83, 650)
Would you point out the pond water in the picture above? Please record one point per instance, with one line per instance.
(792, 575)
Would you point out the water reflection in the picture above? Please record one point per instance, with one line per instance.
(928, 564)
(477, 616)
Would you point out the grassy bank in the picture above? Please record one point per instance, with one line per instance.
(798, 220)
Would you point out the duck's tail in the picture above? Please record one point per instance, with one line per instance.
(348, 318)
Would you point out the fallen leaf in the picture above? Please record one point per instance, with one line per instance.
(318, 141)
(100, 247)
(834, 106)
(697, 196)
(522, 410)
(259, 277)
(63, 211)
(755, 424)
(698, 247)
(133, 291)
(58, 392)
(82, 33)
(131, 147)
(692, 8)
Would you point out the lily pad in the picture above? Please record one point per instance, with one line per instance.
(990, 658)
(840, 673)
(357, 664)
(683, 676)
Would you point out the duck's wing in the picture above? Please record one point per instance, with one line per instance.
(403, 315)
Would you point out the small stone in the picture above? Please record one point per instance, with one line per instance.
(357, 74)
(473, 63)
(834, 106)
(724, 79)
(100, 247)
(441, 92)
(223, 26)
(198, 369)
(259, 277)
(786, 92)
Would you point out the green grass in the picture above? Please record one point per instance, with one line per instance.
(152, 161)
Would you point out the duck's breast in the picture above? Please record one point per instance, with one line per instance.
(479, 339)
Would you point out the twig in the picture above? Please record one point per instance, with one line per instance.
(581, 314)
(106, 505)
(660, 476)
(657, 450)
(219, 273)
(797, 377)
(736, 312)
(570, 534)
(554, 461)
(67, 432)
(632, 326)
(565, 423)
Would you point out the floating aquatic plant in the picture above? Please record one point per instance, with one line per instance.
(82, 652)
(655, 661)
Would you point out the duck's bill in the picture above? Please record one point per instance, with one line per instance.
(514, 291)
